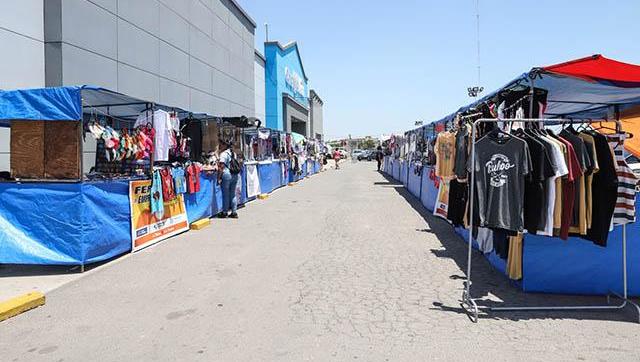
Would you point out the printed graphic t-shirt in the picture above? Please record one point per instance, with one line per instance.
(500, 167)
(445, 154)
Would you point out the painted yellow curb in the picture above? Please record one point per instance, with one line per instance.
(291, 183)
(200, 224)
(263, 196)
(20, 304)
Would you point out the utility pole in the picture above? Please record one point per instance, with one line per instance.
(266, 31)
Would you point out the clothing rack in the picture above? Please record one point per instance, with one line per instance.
(516, 103)
(470, 304)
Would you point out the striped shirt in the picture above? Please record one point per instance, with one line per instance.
(625, 211)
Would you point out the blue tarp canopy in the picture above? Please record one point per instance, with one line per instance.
(69, 104)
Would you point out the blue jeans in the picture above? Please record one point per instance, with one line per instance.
(229, 199)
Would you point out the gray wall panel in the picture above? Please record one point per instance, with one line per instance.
(142, 13)
(81, 67)
(137, 83)
(200, 76)
(200, 45)
(99, 27)
(174, 63)
(174, 94)
(201, 17)
(25, 61)
(181, 7)
(174, 29)
(221, 107)
(111, 5)
(201, 102)
(23, 17)
(221, 58)
(137, 48)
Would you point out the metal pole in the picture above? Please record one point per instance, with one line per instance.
(466, 294)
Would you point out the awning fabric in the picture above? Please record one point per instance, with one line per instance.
(42, 104)
(597, 68)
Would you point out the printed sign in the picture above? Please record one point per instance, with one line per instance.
(253, 181)
(442, 202)
(146, 227)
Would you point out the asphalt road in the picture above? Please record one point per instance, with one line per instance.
(342, 266)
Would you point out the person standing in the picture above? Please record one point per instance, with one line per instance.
(336, 157)
(379, 157)
(228, 181)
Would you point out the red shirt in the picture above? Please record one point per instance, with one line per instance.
(193, 179)
(336, 155)
(568, 189)
(168, 192)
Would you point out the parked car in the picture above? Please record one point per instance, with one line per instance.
(366, 155)
(357, 153)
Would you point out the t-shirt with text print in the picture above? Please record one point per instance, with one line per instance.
(501, 164)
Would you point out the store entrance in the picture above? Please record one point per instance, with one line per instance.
(298, 126)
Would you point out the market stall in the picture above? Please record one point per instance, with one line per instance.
(586, 91)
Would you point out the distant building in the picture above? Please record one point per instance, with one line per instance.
(286, 89)
(259, 86)
(315, 106)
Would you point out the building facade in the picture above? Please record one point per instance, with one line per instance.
(286, 89)
(316, 115)
(192, 54)
(259, 86)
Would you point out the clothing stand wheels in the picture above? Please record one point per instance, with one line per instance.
(469, 303)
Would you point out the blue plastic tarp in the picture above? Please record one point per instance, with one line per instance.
(64, 223)
(41, 104)
(415, 182)
(199, 205)
(266, 177)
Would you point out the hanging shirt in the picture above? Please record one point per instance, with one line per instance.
(534, 193)
(445, 154)
(605, 182)
(179, 181)
(157, 202)
(568, 188)
(193, 178)
(462, 153)
(161, 121)
(625, 210)
(551, 184)
(501, 165)
(579, 218)
(168, 192)
(591, 147)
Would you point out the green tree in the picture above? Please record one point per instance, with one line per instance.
(369, 143)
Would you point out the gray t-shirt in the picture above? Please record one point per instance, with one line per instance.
(501, 165)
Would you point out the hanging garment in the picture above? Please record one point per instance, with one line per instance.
(193, 130)
(179, 181)
(157, 202)
(445, 154)
(462, 153)
(253, 181)
(605, 182)
(484, 239)
(458, 195)
(625, 210)
(168, 192)
(514, 260)
(535, 210)
(193, 178)
(501, 164)
(551, 186)
(590, 143)
(579, 219)
(161, 121)
(569, 188)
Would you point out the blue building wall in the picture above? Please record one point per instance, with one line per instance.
(278, 59)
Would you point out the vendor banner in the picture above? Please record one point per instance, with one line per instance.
(253, 181)
(148, 228)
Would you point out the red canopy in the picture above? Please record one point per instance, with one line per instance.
(597, 68)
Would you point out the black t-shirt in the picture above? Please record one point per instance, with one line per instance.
(501, 164)
(534, 194)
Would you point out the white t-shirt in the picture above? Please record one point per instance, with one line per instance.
(557, 158)
(162, 126)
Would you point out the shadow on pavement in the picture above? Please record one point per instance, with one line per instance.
(490, 287)
(26, 270)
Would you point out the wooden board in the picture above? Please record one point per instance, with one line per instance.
(62, 150)
(210, 137)
(27, 149)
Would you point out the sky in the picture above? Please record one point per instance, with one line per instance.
(380, 66)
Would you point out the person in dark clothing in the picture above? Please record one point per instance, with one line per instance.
(379, 157)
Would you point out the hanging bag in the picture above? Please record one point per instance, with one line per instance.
(234, 165)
